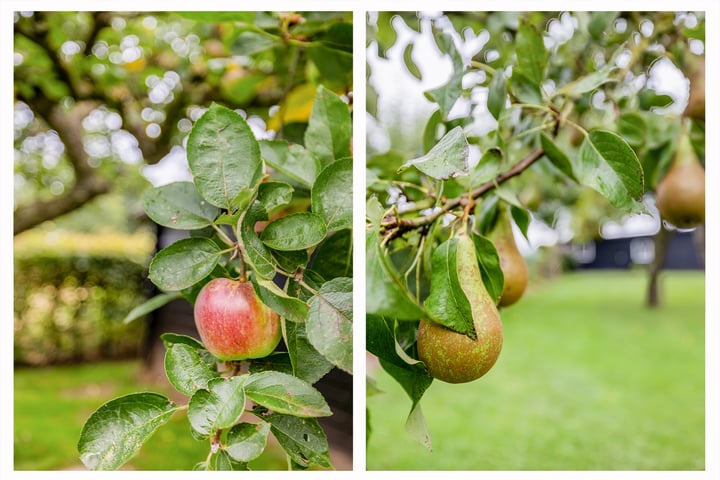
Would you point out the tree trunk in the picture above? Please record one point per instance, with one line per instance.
(662, 242)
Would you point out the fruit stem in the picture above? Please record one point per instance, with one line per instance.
(241, 263)
(482, 66)
(307, 287)
(223, 236)
(546, 125)
(576, 126)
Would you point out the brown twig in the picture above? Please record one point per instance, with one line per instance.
(399, 225)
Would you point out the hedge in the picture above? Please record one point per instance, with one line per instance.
(72, 293)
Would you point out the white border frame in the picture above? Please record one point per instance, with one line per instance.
(360, 9)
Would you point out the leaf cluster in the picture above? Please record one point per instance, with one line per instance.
(278, 215)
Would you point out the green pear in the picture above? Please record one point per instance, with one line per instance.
(680, 195)
(453, 357)
(512, 263)
(696, 101)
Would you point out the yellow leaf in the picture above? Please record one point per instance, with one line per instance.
(296, 107)
(136, 65)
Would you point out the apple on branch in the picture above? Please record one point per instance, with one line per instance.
(233, 323)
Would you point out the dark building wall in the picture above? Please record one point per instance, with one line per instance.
(619, 253)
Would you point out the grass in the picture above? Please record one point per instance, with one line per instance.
(588, 379)
(52, 404)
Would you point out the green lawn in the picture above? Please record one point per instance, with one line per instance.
(588, 379)
(52, 404)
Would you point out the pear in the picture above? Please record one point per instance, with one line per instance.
(453, 357)
(680, 195)
(512, 263)
(696, 101)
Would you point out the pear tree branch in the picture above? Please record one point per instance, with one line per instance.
(399, 225)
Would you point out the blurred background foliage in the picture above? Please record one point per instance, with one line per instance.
(645, 64)
(102, 95)
(71, 292)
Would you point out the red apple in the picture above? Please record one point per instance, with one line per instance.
(233, 323)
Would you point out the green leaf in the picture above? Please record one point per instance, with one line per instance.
(249, 43)
(633, 128)
(447, 95)
(290, 260)
(224, 157)
(385, 34)
(335, 65)
(330, 323)
(600, 23)
(331, 195)
(697, 32)
(179, 205)
(447, 303)
(246, 441)
(522, 218)
(170, 339)
(408, 372)
(415, 385)
(297, 231)
(556, 156)
(274, 195)
(385, 291)
(531, 54)
(116, 430)
(589, 82)
(607, 164)
(381, 341)
(374, 212)
(489, 261)
(329, 130)
(221, 461)
(497, 94)
(448, 158)
(525, 89)
(215, 17)
(283, 393)
(150, 305)
(488, 167)
(303, 439)
(333, 257)
(288, 307)
(416, 427)
(487, 213)
(293, 161)
(185, 369)
(184, 263)
(276, 361)
(307, 363)
(220, 406)
(650, 99)
(431, 131)
(256, 253)
(410, 63)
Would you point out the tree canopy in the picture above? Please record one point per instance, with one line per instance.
(100, 94)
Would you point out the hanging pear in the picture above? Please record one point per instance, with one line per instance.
(696, 101)
(512, 263)
(680, 195)
(453, 357)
